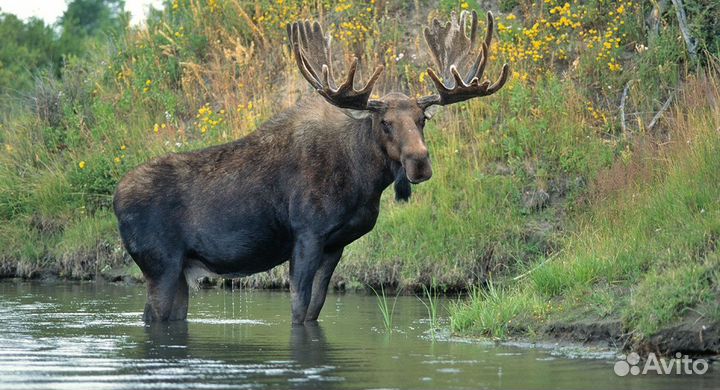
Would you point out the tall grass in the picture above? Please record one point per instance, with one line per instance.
(204, 73)
(646, 253)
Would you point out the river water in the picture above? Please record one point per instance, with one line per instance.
(90, 336)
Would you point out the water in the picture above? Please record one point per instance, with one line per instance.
(89, 336)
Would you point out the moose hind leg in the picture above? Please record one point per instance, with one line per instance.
(162, 292)
(180, 303)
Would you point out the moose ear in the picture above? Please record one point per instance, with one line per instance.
(432, 110)
(357, 114)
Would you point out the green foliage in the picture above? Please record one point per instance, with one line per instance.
(84, 234)
(86, 19)
(704, 19)
(431, 294)
(31, 48)
(656, 240)
(27, 48)
(496, 311)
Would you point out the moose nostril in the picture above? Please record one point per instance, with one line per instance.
(417, 169)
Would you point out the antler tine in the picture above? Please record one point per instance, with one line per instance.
(314, 58)
(454, 53)
(473, 29)
(504, 76)
(305, 68)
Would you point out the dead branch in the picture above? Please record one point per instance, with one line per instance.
(653, 19)
(685, 30)
(549, 258)
(623, 100)
(657, 116)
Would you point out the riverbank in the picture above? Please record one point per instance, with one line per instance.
(643, 268)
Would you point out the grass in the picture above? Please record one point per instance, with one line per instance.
(386, 310)
(431, 294)
(497, 312)
(196, 77)
(646, 254)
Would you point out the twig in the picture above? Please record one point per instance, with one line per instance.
(623, 99)
(685, 30)
(554, 255)
(653, 19)
(657, 116)
(257, 33)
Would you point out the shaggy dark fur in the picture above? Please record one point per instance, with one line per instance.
(300, 188)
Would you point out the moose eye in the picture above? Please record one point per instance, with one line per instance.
(386, 126)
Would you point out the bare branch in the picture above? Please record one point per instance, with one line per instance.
(622, 106)
(690, 42)
(659, 114)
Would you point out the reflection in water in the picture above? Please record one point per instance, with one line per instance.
(89, 336)
(166, 341)
(309, 345)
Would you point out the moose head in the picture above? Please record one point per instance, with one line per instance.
(397, 118)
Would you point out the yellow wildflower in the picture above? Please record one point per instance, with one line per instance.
(82, 165)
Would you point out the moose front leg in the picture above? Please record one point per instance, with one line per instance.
(321, 282)
(306, 259)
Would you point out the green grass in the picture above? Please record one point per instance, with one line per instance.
(386, 310)
(431, 294)
(646, 255)
(497, 312)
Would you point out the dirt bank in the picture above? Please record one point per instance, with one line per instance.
(693, 336)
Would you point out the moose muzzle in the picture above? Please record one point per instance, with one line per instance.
(417, 166)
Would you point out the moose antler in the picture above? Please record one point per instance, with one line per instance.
(451, 49)
(313, 56)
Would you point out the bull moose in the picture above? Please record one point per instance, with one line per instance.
(302, 187)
